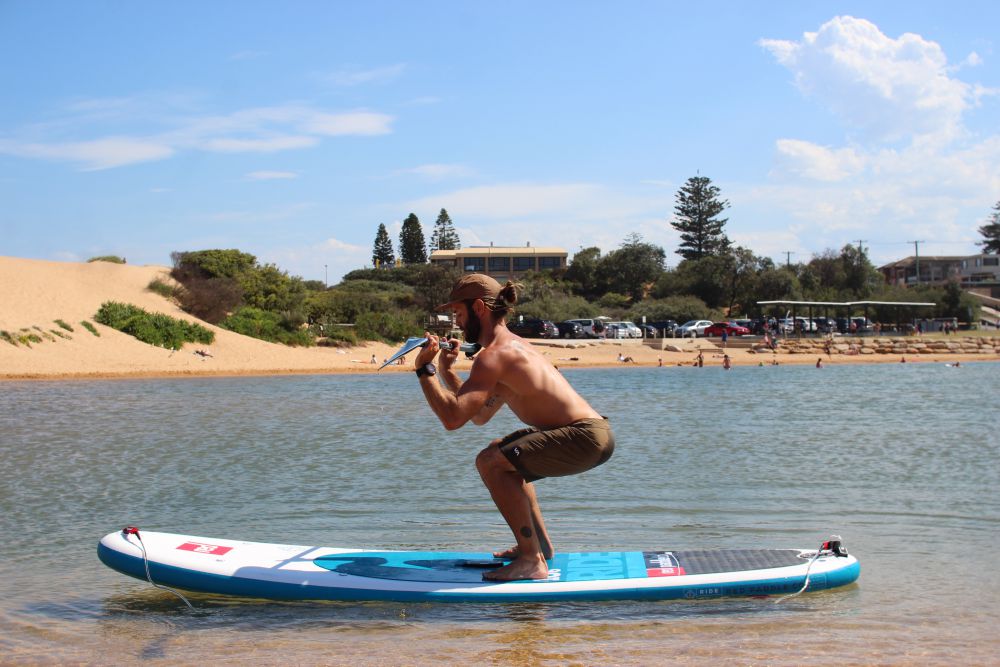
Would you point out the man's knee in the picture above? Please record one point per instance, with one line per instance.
(490, 458)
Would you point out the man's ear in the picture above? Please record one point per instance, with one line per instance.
(479, 308)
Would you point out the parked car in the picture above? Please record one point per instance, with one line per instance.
(693, 328)
(591, 328)
(731, 329)
(825, 324)
(649, 331)
(533, 328)
(570, 329)
(613, 330)
(664, 327)
(630, 330)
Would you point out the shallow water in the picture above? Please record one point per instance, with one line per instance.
(900, 460)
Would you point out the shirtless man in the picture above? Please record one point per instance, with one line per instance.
(565, 436)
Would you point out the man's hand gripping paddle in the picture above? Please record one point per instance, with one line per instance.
(411, 344)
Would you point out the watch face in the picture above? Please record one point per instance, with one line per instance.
(431, 368)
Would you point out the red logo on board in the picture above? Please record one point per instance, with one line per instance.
(665, 572)
(213, 549)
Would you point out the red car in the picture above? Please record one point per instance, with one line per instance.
(731, 329)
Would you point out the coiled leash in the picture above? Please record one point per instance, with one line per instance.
(831, 547)
(132, 530)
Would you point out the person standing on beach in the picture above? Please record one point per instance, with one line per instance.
(565, 435)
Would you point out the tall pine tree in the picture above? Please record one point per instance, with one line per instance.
(444, 237)
(382, 255)
(412, 248)
(991, 232)
(696, 218)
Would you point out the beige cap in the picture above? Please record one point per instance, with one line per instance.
(472, 286)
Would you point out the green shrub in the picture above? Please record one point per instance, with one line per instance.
(157, 286)
(63, 325)
(44, 333)
(61, 334)
(265, 325)
(91, 328)
(114, 259)
(387, 326)
(339, 337)
(153, 328)
(5, 335)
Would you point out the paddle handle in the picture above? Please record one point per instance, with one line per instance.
(468, 348)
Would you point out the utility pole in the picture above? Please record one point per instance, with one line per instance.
(916, 253)
(326, 281)
(788, 258)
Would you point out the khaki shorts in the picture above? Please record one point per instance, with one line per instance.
(556, 452)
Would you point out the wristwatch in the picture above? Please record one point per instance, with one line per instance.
(427, 369)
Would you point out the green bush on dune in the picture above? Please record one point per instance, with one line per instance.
(114, 259)
(153, 328)
(266, 325)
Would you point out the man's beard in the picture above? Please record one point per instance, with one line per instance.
(473, 327)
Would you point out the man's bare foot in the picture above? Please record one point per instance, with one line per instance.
(514, 552)
(522, 567)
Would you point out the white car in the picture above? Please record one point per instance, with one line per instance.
(693, 328)
(627, 329)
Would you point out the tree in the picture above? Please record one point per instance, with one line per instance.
(382, 255)
(444, 237)
(696, 218)
(412, 248)
(991, 232)
(632, 267)
(582, 272)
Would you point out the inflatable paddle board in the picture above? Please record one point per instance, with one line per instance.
(293, 572)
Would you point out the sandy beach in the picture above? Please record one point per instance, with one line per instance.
(36, 293)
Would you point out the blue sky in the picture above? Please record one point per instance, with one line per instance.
(292, 130)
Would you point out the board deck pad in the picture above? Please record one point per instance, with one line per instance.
(448, 567)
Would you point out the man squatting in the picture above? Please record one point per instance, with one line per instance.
(565, 436)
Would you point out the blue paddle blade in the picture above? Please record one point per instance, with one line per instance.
(409, 346)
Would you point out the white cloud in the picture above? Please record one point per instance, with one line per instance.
(271, 175)
(353, 76)
(360, 123)
(439, 171)
(972, 60)
(254, 130)
(818, 162)
(890, 89)
(922, 185)
(93, 155)
(328, 259)
(263, 145)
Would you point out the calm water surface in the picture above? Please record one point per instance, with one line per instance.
(899, 459)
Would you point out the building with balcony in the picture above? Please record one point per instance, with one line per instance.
(502, 262)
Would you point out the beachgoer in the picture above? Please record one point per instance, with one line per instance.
(902, 360)
(725, 338)
(621, 357)
(700, 359)
(819, 363)
(659, 361)
(566, 436)
(726, 363)
(373, 360)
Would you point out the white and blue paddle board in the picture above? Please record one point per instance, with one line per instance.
(294, 572)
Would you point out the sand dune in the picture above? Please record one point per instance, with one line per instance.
(35, 293)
